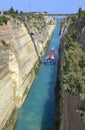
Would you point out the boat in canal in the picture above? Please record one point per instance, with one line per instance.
(50, 57)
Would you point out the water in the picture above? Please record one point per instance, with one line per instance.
(37, 112)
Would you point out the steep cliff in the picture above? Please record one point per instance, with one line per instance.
(7, 104)
(19, 51)
(71, 37)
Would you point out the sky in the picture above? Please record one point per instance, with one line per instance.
(50, 6)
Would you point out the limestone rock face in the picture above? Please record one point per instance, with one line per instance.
(19, 51)
(21, 62)
(7, 103)
(42, 28)
(64, 29)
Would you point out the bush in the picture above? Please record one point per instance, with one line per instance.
(81, 110)
(74, 67)
(3, 19)
(81, 12)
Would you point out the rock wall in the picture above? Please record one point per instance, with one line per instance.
(41, 27)
(21, 62)
(79, 26)
(69, 118)
(7, 103)
(18, 58)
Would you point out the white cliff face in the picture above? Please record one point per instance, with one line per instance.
(18, 58)
(42, 28)
(14, 73)
(22, 62)
(7, 103)
(64, 29)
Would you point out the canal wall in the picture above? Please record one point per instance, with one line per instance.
(66, 116)
(19, 56)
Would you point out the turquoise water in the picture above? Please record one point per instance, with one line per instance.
(37, 112)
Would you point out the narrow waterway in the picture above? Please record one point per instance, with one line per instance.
(37, 112)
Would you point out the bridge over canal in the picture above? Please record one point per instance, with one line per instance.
(45, 14)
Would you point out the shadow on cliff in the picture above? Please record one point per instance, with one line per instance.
(32, 38)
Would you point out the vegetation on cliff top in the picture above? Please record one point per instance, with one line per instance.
(4, 15)
(3, 19)
(11, 12)
(74, 68)
(74, 18)
(81, 12)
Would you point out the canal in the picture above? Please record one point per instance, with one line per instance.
(37, 112)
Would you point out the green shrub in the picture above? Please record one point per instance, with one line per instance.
(3, 19)
(74, 68)
(81, 110)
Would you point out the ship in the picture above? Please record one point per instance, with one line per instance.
(50, 57)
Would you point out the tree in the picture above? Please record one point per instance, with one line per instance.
(80, 12)
(21, 12)
(6, 12)
(11, 11)
(16, 11)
